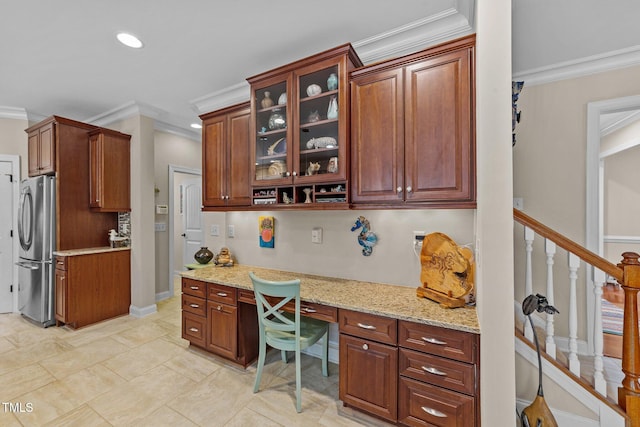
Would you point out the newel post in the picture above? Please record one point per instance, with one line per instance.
(629, 393)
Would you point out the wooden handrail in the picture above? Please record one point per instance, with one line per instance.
(569, 245)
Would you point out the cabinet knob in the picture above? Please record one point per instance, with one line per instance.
(409, 189)
(287, 173)
(295, 173)
(365, 346)
(399, 190)
(219, 308)
(226, 197)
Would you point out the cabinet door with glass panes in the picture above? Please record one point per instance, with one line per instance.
(271, 156)
(320, 138)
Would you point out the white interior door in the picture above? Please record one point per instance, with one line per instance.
(192, 218)
(6, 241)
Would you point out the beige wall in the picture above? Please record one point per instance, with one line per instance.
(177, 151)
(13, 140)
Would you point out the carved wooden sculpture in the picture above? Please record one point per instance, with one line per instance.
(447, 271)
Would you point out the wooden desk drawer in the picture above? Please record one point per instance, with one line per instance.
(422, 404)
(440, 341)
(246, 296)
(195, 288)
(194, 305)
(61, 262)
(438, 371)
(317, 311)
(222, 294)
(193, 328)
(369, 326)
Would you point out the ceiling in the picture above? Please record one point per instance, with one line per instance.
(62, 57)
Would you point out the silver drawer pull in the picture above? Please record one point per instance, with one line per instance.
(222, 294)
(434, 371)
(194, 305)
(369, 327)
(434, 341)
(195, 288)
(309, 310)
(193, 329)
(434, 412)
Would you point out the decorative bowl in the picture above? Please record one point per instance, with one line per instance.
(313, 89)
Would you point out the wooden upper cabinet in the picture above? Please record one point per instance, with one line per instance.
(109, 171)
(225, 157)
(42, 150)
(413, 139)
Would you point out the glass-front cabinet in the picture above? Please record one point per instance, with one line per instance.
(300, 116)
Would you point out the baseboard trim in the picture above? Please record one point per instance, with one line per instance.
(163, 295)
(142, 311)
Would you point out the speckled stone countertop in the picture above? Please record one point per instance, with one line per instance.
(396, 301)
(87, 251)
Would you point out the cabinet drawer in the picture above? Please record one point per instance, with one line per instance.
(369, 326)
(317, 311)
(246, 296)
(194, 305)
(195, 288)
(193, 328)
(438, 371)
(444, 342)
(61, 262)
(422, 404)
(221, 293)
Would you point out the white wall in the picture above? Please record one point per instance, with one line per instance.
(13, 140)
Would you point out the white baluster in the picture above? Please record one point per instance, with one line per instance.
(599, 382)
(528, 276)
(550, 249)
(574, 362)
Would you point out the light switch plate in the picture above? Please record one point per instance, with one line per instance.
(231, 231)
(215, 230)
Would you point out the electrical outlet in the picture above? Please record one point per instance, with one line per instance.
(418, 236)
(231, 231)
(316, 235)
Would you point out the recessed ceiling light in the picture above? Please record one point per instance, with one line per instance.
(129, 40)
(196, 125)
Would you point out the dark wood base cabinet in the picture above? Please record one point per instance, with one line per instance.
(92, 287)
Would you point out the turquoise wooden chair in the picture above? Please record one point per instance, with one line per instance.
(286, 331)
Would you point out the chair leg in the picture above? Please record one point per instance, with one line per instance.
(298, 383)
(261, 357)
(284, 356)
(325, 354)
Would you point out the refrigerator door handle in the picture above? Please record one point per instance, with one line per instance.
(29, 265)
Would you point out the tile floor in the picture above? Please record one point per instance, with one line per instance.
(140, 372)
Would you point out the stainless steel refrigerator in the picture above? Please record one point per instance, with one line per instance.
(36, 232)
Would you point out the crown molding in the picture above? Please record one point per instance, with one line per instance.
(161, 126)
(13, 113)
(613, 60)
(410, 38)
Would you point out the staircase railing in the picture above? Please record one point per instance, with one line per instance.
(627, 273)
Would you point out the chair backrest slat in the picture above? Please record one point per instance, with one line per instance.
(270, 312)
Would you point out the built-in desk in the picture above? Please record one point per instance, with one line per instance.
(402, 358)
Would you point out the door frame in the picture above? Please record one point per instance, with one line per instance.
(15, 171)
(594, 238)
(173, 169)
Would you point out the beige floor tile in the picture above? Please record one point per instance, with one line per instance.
(49, 402)
(7, 419)
(337, 415)
(192, 365)
(165, 383)
(124, 404)
(82, 416)
(133, 337)
(23, 380)
(83, 336)
(137, 361)
(91, 382)
(6, 345)
(82, 357)
(249, 417)
(165, 416)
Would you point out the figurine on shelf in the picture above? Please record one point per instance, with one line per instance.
(224, 258)
(286, 199)
(332, 82)
(267, 101)
(313, 117)
(332, 111)
(307, 192)
(313, 168)
(271, 150)
(282, 100)
(332, 167)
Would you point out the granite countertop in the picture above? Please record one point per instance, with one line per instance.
(87, 251)
(396, 301)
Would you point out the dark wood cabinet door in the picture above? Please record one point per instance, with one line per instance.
(46, 150)
(222, 329)
(213, 152)
(369, 376)
(377, 138)
(61, 295)
(34, 163)
(238, 159)
(438, 135)
(109, 171)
